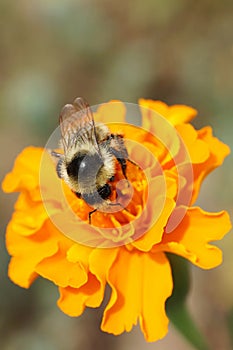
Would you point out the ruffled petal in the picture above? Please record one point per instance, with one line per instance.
(155, 233)
(29, 216)
(192, 237)
(138, 294)
(176, 114)
(27, 252)
(61, 271)
(217, 153)
(197, 149)
(79, 253)
(74, 300)
(25, 173)
(101, 261)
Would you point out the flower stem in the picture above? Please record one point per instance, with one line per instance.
(176, 306)
(183, 321)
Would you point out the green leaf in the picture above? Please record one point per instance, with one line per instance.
(176, 307)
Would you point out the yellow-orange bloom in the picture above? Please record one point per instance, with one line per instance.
(126, 249)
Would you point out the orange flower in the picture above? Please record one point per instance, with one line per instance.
(49, 236)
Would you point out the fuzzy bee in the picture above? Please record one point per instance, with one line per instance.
(90, 151)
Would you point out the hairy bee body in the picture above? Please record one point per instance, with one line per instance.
(88, 162)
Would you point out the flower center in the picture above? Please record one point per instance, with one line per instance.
(124, 204)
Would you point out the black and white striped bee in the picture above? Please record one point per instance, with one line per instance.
(90, 151)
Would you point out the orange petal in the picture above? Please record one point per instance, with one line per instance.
(29, 216)
(172, 179)
(155, 233)
(21, 270)
(176, 114)
(158, 106)
(73, 301)
(218, 151)
(101, 260)
(162, 134)
(79, 253)
(113, 111)
(27, 253)
(149, 226)
(138, 292)
(61, 271)
(191, 238)
(25, 172)
(181, 114)
(197, 149)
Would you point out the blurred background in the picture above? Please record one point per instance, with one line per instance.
(52, 51)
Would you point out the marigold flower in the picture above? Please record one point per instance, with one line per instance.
(49, 236)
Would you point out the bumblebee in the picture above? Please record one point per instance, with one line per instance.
(90, 151)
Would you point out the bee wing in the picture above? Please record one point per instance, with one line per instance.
(118, 146)
(77, 123)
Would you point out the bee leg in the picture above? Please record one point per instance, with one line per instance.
(55, 154)
(120, 159)
(58, 168)
(122, 162)
(89, 215)
(58, 156)
(132, 162)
